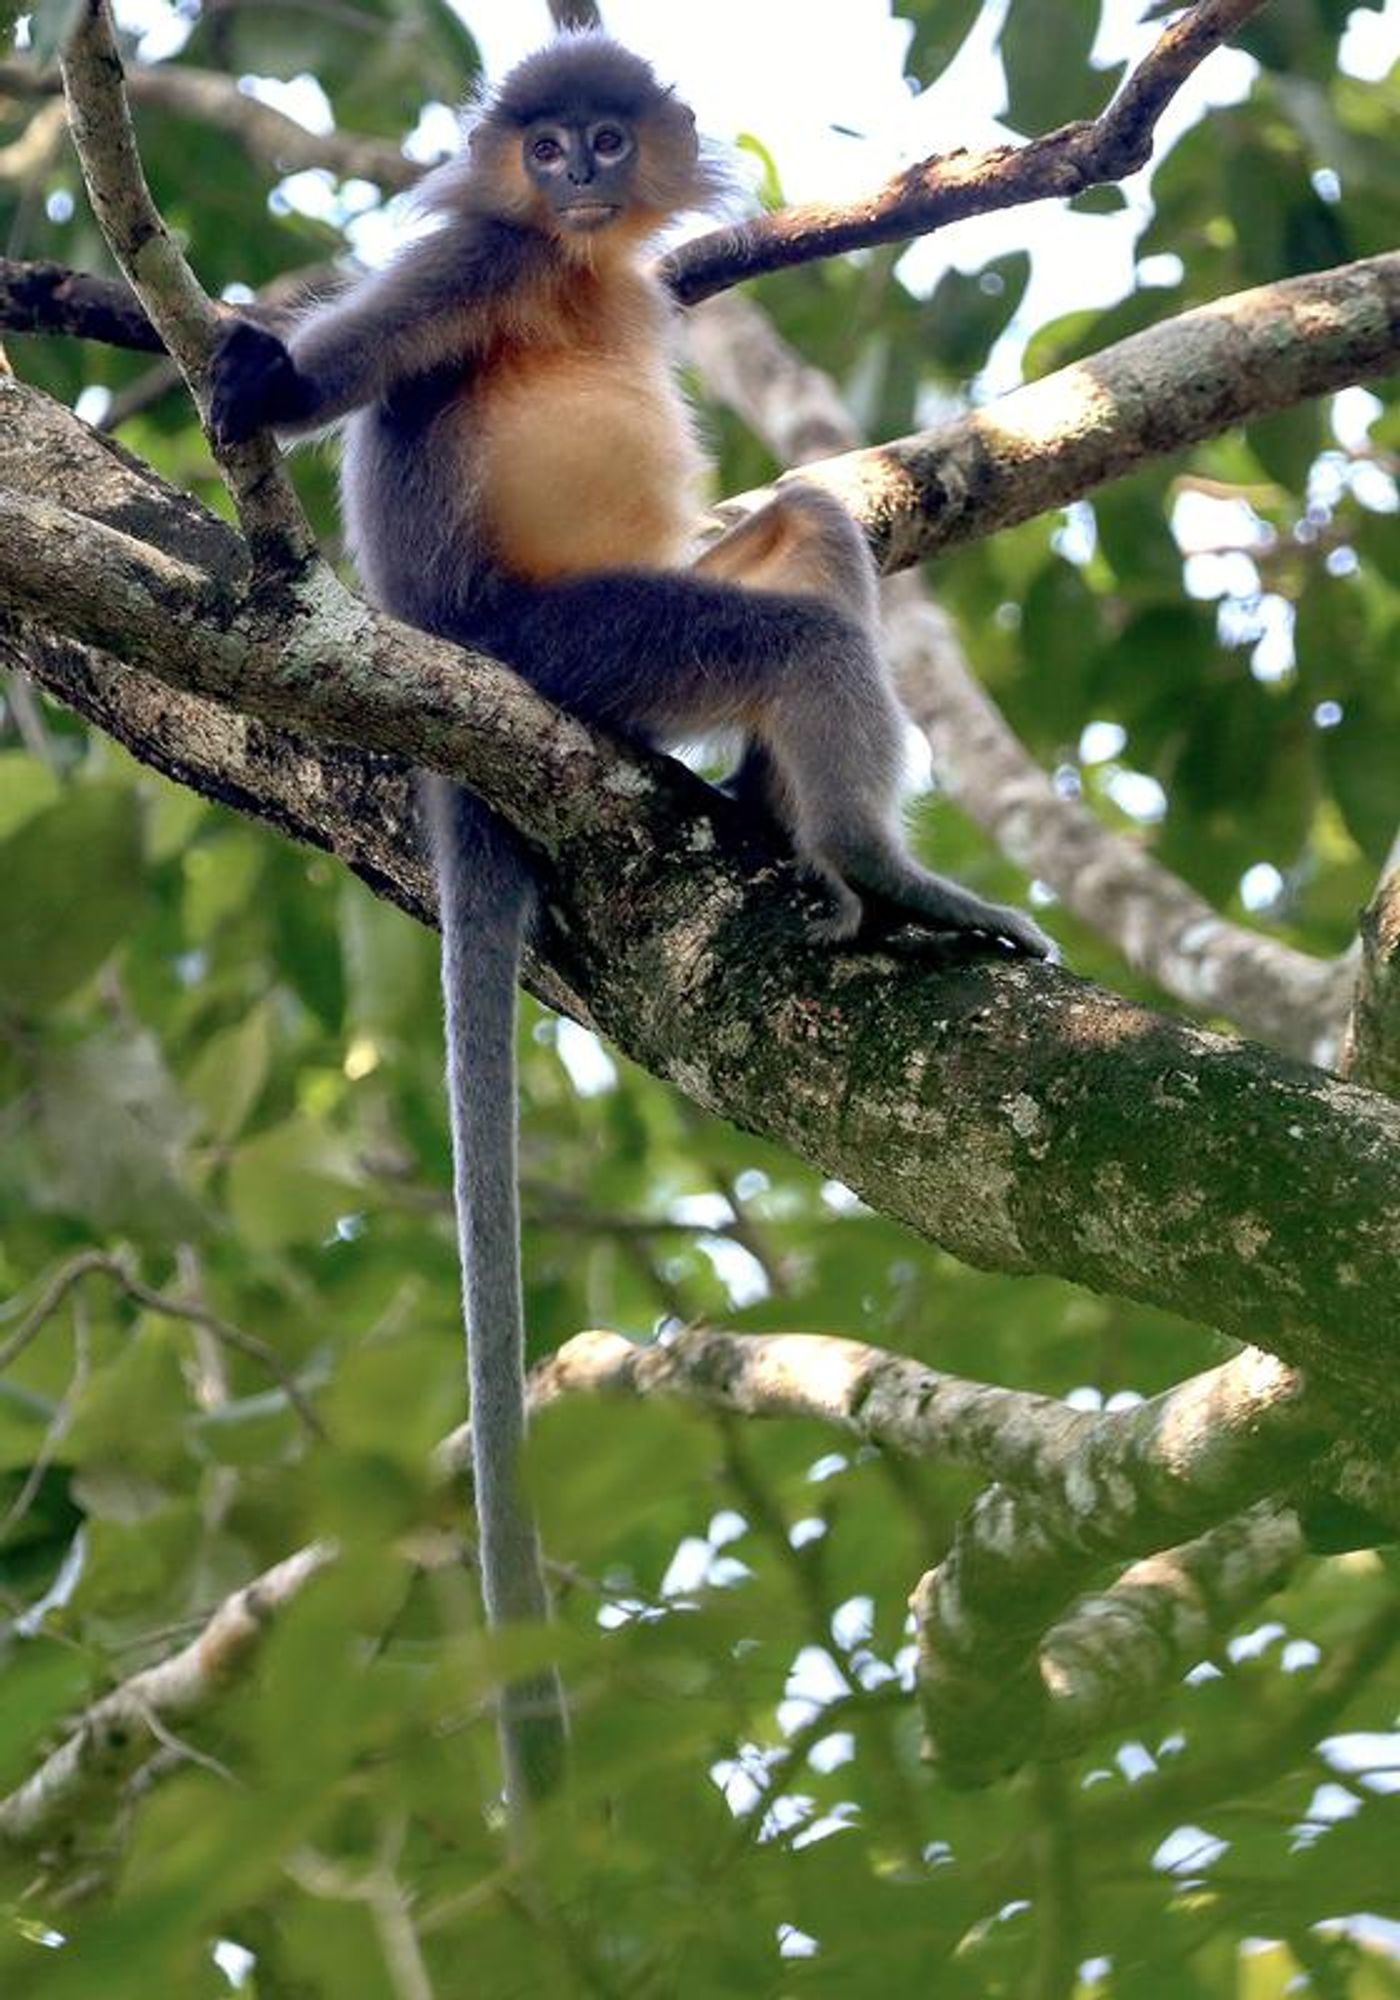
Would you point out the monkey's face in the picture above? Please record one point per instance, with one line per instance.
(585, 173)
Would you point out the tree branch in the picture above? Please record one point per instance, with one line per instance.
(1214, 1772)
(1144, 398)
(52, 298)
(1120, 1653)
(99, 119)
(1003, 1677)
(1023, 1552)
(120, 1732)
(1111, 1660)
(1373, 1039)
(917, 201)
(1158, 922)
(952, 185)
(118, 1270)
(1116, 1483)
(935, 1084)
(211, 99)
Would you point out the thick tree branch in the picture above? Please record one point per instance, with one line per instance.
(952, 185)
(1158, 922)
(1110, 1484)
(1005, 1673)
(1021, 1554)
(1107, 1663)
(1145, 398)
(1188, 1170)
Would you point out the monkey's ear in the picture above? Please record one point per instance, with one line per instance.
(486, 178)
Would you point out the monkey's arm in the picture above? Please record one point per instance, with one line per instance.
(433, 305)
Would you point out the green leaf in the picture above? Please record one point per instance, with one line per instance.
(26, 786)
(940, 29)
(1287, 443)
(228, 1076)
(966, 314)
(44, 1682)
(112, 1128)
(73, 887)
(1045, 47)
(291, 1184)
(1359, 755)
(770, 186)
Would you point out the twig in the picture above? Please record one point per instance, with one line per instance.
(950, 186)
(89, 1261)
(156, 270)
(57, 1427)
(1058, 1907)
(48, 1302)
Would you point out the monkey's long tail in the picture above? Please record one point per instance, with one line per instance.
(486, 893)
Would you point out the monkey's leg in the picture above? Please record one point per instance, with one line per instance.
(756, 784)
(677, 654)
(831, 769)
(801, 542)
(837, 741)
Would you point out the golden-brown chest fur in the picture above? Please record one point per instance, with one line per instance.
(582, 447)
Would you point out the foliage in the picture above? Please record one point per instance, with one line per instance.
(220, 1058)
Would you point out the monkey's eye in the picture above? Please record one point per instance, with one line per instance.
(609, 143)
(546, 152)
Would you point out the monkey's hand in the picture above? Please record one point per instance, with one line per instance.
(253, 383)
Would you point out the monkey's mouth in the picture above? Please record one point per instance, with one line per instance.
(584, 215)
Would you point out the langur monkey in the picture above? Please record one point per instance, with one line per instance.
(519, 475)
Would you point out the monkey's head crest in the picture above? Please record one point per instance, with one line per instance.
(573, 86)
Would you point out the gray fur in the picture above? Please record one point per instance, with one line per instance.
(660, 656)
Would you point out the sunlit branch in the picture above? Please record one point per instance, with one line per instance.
(950, 186)
(119, 1732)
(1159, 923)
